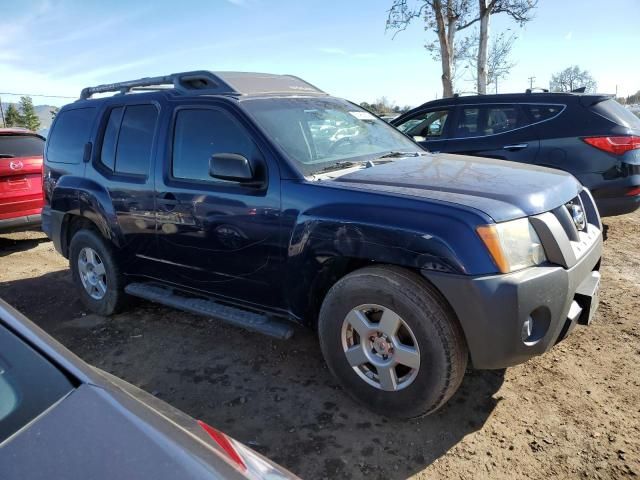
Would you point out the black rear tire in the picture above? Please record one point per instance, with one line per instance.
(114, 299)
(442, 348)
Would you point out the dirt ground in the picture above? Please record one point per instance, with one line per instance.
(572, 413)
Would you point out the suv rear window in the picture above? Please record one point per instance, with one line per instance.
(20, 146)
(71, 131)
(612, 110)
(29, 384)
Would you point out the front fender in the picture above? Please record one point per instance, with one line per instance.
(344, 230)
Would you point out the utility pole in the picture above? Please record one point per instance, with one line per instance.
(2, 113)
(531, 80)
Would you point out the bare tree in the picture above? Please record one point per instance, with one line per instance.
(572, 78)
(498, 64)
(519, 10)
(445, 18)
(448, 17)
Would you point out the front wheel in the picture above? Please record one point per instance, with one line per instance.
(96, 273)
(392, 341)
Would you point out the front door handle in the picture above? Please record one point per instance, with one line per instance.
(518, 146)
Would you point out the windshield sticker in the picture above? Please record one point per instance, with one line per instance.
(363, 115)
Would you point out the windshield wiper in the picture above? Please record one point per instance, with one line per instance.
(396, 154)
(336, 166)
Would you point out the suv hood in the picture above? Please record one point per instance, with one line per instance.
(501, 189)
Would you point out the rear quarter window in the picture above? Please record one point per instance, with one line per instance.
(71, 131)
(12, 146)
(540, 112)
(29, 384)
(612, 110)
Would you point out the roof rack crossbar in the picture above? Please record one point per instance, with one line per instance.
(200, 82)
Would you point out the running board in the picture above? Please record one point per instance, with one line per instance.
(246, 319)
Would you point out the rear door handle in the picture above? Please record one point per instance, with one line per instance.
(168, 201)
(518, 146)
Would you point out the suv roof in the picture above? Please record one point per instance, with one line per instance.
(204, 82)
(529, 96)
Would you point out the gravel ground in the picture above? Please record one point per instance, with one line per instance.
(574, 412)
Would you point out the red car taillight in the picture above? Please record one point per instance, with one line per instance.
(225, 443)
(615, 145)
(632, 192)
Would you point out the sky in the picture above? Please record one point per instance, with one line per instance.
(57, 47)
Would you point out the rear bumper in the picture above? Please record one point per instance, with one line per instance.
(19, 224)
(492, 309)
(52, 227)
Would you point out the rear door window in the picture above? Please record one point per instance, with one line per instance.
(29, 384)
(128, 139)
(12, 146)
(71, 131)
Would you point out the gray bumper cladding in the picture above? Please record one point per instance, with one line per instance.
(493, 309)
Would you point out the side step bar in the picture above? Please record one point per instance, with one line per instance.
(200, 306)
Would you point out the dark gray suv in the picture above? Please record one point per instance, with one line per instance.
(592, 137)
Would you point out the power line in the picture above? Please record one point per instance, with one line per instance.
(34, 95)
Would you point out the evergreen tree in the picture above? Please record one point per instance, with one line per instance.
(29, 118)
(12, 117)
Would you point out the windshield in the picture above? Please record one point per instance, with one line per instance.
(317, 133)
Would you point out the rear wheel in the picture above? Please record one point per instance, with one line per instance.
(392, 341)
(96, 273)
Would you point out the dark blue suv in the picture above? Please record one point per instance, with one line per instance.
(590, 136)
(260, 200)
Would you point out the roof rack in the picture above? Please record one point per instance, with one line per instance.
(537, 89)
(202, 82)
(466, 94)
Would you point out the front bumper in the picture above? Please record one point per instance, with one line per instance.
(493, 309)
(611, 206)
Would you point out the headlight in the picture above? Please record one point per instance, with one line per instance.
(513, 245)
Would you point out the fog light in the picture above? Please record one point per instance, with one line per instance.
(527, 329)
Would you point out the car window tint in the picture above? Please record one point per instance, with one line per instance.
(502, 118)
(543, 112)
(12, 146)
(468, 124)
(29, 384)
(427, 124)
(108, 153)
(201, 133)
(71, 131)
(133, 151)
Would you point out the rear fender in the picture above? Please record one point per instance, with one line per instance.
(76, 196)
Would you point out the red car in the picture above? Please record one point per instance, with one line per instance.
(20, 179)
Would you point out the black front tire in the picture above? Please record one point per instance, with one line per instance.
(115, 299)
(439, 337)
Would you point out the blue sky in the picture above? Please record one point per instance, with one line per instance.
(56, 47)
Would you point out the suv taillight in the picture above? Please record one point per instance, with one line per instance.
(615, 145)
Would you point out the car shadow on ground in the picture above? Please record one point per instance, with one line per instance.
(10, 245)
(277, 396)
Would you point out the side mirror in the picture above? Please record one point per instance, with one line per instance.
(231, 167)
